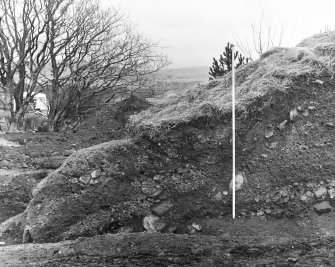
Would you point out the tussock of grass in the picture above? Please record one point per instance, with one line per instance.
(275, 71)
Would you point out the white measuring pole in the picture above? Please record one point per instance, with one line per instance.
(233, 126)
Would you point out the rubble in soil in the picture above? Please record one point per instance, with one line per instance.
(171, 176)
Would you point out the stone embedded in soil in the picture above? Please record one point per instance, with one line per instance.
(85, 179)
(151, 189)
(218, 196)
(321, 192)
(282, 125)
(305, 113)
(322, 207)
(268, 131)
(197, 227)
(73, 180)
(65, 252)
(273, 145)
(318, 81)
(330, 124)
(331, 193)
(68, 152)
(95, 174)
(309, 194)
(293, 114)
(158, 178)
(240, 181)
(153, 223)
(304, 198)
(291, 260)
(257, 198)
(162, 208)
(260, 213)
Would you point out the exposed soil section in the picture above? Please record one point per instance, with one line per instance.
(160, 196)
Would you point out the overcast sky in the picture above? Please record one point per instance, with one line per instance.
(195, 31)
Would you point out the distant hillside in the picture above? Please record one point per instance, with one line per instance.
(191, 73)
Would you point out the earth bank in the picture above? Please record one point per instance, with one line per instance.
(174, 170)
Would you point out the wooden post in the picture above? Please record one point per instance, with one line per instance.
(233, 129)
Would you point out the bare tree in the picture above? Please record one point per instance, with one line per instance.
(94, 52)
(265, 35)
(71, 49)
(23, 54)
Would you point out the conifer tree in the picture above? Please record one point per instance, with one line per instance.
(224, 65)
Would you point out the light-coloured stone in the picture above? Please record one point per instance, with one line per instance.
(197, 227)
(153, 223)
(240, 181)
(282, 125)
(85, 179)
(162, 208)
(323, 207)
(95, 174)
(321, 192)
(218, 196)
(331, 193)
(293, 114)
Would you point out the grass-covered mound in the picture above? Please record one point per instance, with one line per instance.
(274, 71)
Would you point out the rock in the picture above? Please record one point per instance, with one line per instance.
(305, 113)
(331, 193)
(311, 107)
(95, 174)
(267, 211)
(73, 180)
(65, 252)
(162, 208)
(273, 145)
(151, 189)
(172, 229)
(26, 237)
(293, 114)
(264, 155)
(318, 81)
(323, 207)
(153, 223)
(125, 230)
(282, 125)
(85, 179)
(2, 244)
(55, 154)
(181, 171)
(190, 230)
(158, 178)
(268, 131)
(257, 198)
(309, 194)
(321, 192)
(284, 193)
(292, 260)
(304, 198)
(330, 124)
(225, 193)
(240, 181)
(218, 196)
(197, 227)
(69, 152)
(260, 213)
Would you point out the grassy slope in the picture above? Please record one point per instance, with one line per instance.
(275, 71)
